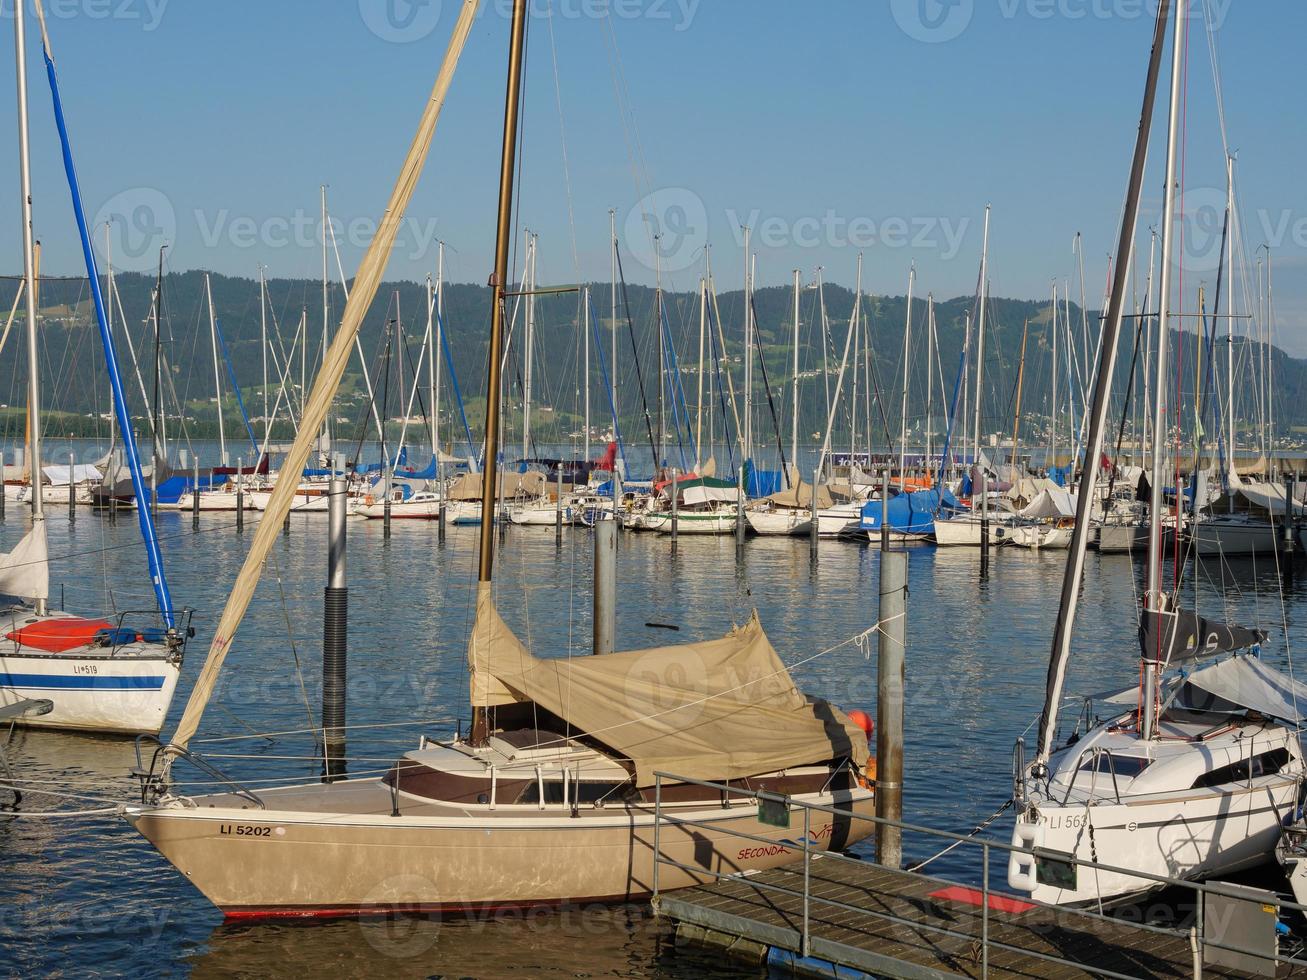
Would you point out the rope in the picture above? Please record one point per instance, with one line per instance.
(983, 826)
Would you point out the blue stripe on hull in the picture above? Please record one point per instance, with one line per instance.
(67, 682)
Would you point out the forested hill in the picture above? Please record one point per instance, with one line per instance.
(75, 380)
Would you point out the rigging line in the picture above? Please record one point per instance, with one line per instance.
(240, 401)
(727, 435)
(562, 137)
(635, 353)
(215, 739)
(771, 402)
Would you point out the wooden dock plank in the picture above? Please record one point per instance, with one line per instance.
(876, 919)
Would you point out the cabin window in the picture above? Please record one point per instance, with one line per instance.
(584, 792)
(1266, 764)
(1126, 766)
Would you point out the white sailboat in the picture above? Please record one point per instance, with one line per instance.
(551, 798)
(1186, 776)
(110, 674)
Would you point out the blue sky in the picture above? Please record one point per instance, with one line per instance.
(832, 128)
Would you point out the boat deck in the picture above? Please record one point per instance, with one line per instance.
(865, 917)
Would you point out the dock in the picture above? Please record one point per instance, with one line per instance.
(830, 914)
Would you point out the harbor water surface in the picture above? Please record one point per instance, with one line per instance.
(87, 896)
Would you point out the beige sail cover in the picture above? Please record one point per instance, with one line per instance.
(468, 486)
(801, 497)
(718, 710)
(25, 571)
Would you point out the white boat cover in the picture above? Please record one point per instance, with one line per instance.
(81, 473)
(25, 571)
(717, 710)
(700, 493)
(1052, 503)
(1251, 683)
(1270, 497)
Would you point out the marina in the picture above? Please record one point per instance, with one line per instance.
(574, 623)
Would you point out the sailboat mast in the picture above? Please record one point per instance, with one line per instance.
(263, 346)
(160, 436)
(1229, 325)
(217, 375)
(698, 406)
(529, 345)
(326, 318)
(1074, 574)
(498, 281)
(930, 384)
(585, 340)
(748, 349)
(612, 323)
(1153, 596)
(980, 339)
(29, 275)
(436, 351)
(903, 401)
(794, 408)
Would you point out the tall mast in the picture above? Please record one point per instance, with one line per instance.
(1153, 600)
(498, 281)
(585, 340)
(612, 250)
(529, 276)
(437, 350)
(326, 317)
(748, 348)
(29, 276)
(794, 408)
(217, 374)
(903, 404)
(1229, 326)
(160, 436)
(430, 345)
(930, 383)
(698, 410)
(263, 345)
(1074, 574)
(980, 338)
(1052, 449)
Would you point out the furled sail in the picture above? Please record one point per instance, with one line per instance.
(25, 571)
(1176, 636)
(716, 710)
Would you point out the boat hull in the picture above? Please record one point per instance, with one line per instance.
(1195, 834)
(254, 863)
(120, 694)
(966, 532)
(693, 523)
(1212, 539)
(778, 523)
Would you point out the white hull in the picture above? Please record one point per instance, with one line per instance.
(691, 522)
(966, 532)
(780, 522)
(544, 515)
(97, 693)
(1039, 537)
(1187, 834)
(216, 500)
(1219, 537)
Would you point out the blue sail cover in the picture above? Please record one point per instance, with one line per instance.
(909, 513)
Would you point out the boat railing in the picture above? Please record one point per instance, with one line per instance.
(152, 780)
(1096, 753)
(1190, 927)
(124, 634)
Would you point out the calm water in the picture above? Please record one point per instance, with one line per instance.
(87, 896)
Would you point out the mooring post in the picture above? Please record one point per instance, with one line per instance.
(884, 513)
(814, 531)
(240, 494)
(335, 605)
(385, 500)
(72, 497)
(154, 487)
(2, 486)
(741, 522)
(617, 495)
(889, 705)
(195, 495)
(676, 492)
(605, 586)
(984, 517)
(558, 510)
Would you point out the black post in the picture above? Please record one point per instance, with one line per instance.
(72, 496)
(884, 512)
(240, 495)
(385, 504)
(195, 496)
(335, 614)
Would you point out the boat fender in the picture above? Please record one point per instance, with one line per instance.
(1021, 867)
(863, 721)
(870, 772)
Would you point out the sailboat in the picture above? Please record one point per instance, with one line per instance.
(1190, 773)
(551, 796)
(102, 674)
